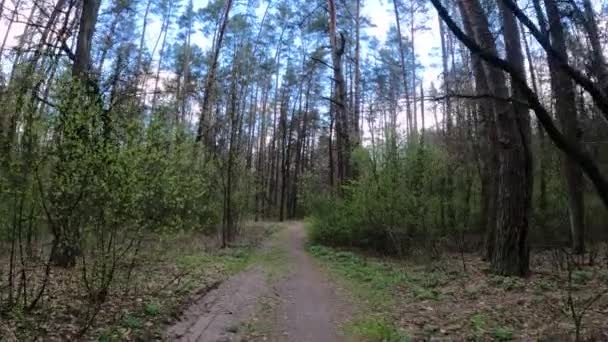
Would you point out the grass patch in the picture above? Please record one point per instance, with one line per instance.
(372, 280)
(376, 330)
(152, 309)
(272, 255)
(380, 285)
(483, 326)
(503, 334)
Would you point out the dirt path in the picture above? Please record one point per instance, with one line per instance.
(216, 316)
(310, 309)
(307, 309)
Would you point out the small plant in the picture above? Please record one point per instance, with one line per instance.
(507, 283)
(471, 293)
(133, 322)
(503, 334)
(152, 309)
(546, 285)
(478, 322)
(581, 277)
(425, 294)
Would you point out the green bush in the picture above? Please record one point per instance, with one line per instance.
(389, 209)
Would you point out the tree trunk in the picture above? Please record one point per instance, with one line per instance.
(511, 251)
(357, 81)
(82, 57)
(161, 55)
(408, 107)
(343, 141)
(448, 215)
(204, 128)
(565, 105)
(489, 156)
(598, 60)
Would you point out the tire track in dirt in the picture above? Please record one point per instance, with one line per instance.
(216, 316)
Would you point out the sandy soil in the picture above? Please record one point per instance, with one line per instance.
(216, 316)
(308, 307)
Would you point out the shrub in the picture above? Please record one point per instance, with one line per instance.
(391, 209)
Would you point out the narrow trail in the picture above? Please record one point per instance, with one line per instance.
(308, 308)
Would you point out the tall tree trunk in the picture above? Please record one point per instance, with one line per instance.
(140, 52)
(343, 141)
(489, 156)
(357, 81)
(599, 61)
(414, 132)
(448, 216)
(542, 160)
(65, 245)
(565, 105)
(204, 128)
(164, 31)
(511, 252)
(408, 107)
(82, 56)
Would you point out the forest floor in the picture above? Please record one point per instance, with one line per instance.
(274, 286)
(454, 297)
(169, 274)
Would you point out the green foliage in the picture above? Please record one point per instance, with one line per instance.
(377, 330)
(152, 309)
(503, 334)
(388, 208)
(103, 180)
(478, 322)
(483, 326)
(377, 278)
(508, 283)
(581, 277)
(133, 322)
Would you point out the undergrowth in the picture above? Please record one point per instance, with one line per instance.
(371, 282)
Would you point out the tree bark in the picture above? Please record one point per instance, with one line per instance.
(343, 141)
(408, 107)
(204, 128)
(511, 250)
(82, 57)
(489, 159)
(565, 105)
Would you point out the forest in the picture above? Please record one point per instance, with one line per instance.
(444, 162)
